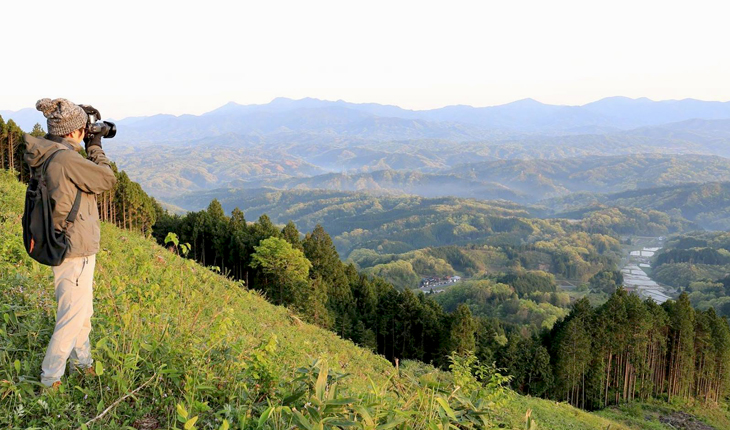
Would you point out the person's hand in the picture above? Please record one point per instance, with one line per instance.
(96, 141)
(91, 110)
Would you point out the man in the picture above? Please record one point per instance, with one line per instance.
(66, 173)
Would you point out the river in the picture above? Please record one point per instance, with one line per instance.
(636, 268)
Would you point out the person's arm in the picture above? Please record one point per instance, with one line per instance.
(94, 175)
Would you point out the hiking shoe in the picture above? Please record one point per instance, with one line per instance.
(84, 371)
(53, 387)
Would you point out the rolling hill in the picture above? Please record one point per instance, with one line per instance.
(397, 224)
(520, 181)
(707, 204)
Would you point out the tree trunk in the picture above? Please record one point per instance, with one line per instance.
(11, 151)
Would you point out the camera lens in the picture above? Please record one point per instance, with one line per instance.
(111, 129)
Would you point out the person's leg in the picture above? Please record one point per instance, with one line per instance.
(71, 314)
(81, 353)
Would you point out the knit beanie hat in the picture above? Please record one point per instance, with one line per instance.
(63, 116)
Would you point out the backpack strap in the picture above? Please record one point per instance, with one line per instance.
(48, 160)
(75, 208)
(77, 202)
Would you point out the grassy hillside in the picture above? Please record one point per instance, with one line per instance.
(195, 350)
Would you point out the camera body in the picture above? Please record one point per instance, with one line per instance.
(106, 129)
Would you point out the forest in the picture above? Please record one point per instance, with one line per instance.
(626, 349)
(398, 224)
(699, 264)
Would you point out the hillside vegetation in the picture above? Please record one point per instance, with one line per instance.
(200, 363)
(398, 224)
(706, 204)
(698, 263)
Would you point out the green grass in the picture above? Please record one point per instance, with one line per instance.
(208, 353)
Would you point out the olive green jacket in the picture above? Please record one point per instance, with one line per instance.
(65, 174)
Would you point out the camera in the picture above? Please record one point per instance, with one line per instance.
(106, 129)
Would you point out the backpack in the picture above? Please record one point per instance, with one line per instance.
(42, 241)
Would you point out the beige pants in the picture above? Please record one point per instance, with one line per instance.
(73, 280)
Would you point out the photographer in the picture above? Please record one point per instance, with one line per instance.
(65, 174)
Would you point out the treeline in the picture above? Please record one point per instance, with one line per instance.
(126, 205)
(698, 263)
(694, 256)
(12, 146)
(700, 256)
(625, 349)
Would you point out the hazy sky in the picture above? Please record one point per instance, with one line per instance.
(140, 58)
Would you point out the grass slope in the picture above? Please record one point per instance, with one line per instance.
(196, 343)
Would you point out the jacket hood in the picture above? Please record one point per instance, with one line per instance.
(38, 149)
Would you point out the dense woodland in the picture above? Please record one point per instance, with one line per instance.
(400, 224)
(627, 349)
(623, 350)
(699, 264)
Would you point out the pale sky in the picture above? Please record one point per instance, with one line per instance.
(142, 58)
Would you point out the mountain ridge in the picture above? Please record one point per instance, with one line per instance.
(525, 115)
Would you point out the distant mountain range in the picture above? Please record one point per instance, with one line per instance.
(384, 122)
(524, 151)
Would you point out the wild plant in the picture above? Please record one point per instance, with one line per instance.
(406, 402)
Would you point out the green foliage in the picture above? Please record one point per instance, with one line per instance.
(486, 298)
(699, 264)
(526, 282)
(285, 269)
(631, 221)
(399, 273)
(607, 281)
(462, 331)
(37, 131)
